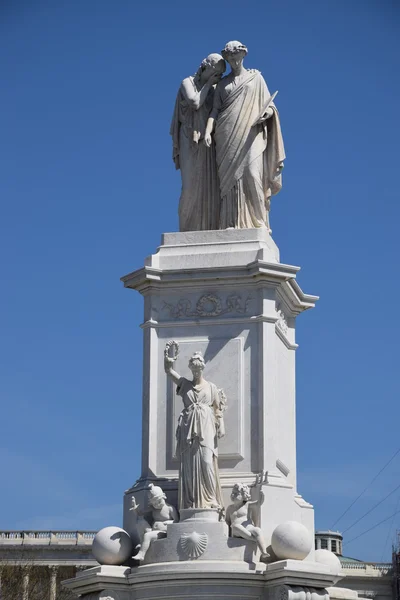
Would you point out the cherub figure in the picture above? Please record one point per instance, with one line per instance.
(239, 519)
(162, 513)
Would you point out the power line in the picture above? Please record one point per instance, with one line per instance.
(373, 527)
(365, 489)
(390, 530)
(371, 509)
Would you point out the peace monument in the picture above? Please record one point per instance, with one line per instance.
(216, 512)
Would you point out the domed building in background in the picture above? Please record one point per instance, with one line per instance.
(370, 580)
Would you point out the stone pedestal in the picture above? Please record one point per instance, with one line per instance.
(202, 539)
(284, 580)
(226, 294)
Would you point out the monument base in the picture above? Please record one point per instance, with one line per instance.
(192, 580)
(198, 559)
(227, 295)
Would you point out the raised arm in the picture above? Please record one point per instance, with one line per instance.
(194, 98)
(173, 514)
(170, 356)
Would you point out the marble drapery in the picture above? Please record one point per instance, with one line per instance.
(197, 446)
(199, 202)
(249, 158)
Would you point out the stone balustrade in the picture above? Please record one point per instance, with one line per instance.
(46, 538)
(367, 569)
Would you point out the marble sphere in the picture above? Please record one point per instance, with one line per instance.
(325, 557)
(112, 546)
(291, 540)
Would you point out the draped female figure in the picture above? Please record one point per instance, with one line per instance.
(200, 426)
(199, 202)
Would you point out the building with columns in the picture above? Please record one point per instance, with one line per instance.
(33, 564)
(370, 580)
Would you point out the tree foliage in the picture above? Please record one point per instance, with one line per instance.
(24, 580)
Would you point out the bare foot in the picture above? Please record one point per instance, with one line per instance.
(264, 556)
(139, 556)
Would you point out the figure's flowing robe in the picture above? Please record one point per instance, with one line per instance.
(248, 157)
(199, 203)
(197, 446)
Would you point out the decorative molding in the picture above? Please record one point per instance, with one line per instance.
(285, 340)
(235, 450)
(286, 592)
(193, 544)
(98, 596)
(208, 305)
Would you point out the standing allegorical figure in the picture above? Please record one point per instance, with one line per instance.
(199, 427)
(249, 144)
(199, 203)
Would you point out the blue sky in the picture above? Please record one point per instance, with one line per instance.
(87, 187)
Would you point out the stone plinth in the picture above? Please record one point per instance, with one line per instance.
(202, 528)
(284, 580)
(226, 294)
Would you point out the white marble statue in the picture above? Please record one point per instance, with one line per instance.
(162, 514)
(239, 518)
(248, 141)
(199, 203)
(199, 427)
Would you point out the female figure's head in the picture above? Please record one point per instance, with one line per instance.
(212, 65)
(240, 493)
(197, 364)
(234, 53)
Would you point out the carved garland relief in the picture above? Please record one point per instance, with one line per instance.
(282, 323)
(208, 305)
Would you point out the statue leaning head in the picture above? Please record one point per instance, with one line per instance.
(213, 63)
(196, 362)
(234, 48)
(241, 491)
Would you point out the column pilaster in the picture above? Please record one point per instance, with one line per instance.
(53, 582)
(25, 586)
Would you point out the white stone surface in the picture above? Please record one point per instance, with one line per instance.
(326, 557)
(112, 546)
(300, 572)
(213, 249)
(291, 540)
(225, 294)
(225, 580)
(340, 593)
